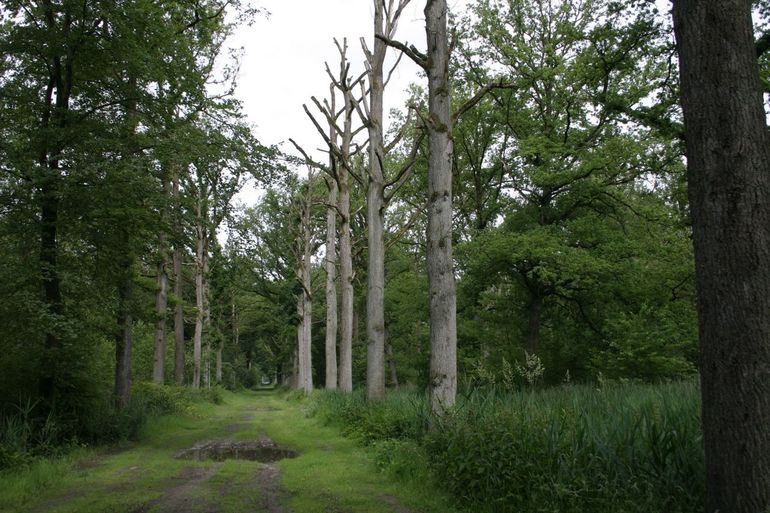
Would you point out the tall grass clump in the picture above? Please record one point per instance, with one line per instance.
(619, 448)
(402, 415)
(26, 436)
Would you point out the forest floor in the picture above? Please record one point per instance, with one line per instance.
(319, 470)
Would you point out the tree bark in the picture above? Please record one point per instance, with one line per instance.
(535, 312)
(304, 298)
(179, 348)
(206, 315)
(728, 157)
(55, 106)
(443, 309)
(345, 372)
(200, 256)
(161, 305)
(375, 216)
(124, 343)
(330, 264)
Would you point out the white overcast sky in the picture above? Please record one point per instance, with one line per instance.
(283, 63)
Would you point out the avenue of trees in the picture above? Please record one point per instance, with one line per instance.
(527, 219)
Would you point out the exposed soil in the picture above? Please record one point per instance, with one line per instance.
(397, 506)
(271, 493)
(57, 501)
(181, 498)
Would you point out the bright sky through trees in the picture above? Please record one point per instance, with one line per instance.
(283, 64)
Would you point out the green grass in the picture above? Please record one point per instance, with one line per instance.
(620, 448)
(332, 473)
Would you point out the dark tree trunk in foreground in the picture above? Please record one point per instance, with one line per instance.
(124, 343)
(728, 151)
(55, 108)
(443, 306)
(535, 314)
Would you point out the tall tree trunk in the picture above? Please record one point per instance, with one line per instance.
(179, 348)
(535, 313)
(207, 316)
(375, 216)
(161, 305)
(728, 156)
(49, 249)
(304, 298)
(330, 264)
(306, 364)
(124, 342)
(345, 373)
(55, 107)
(443, 308)
(200, 256)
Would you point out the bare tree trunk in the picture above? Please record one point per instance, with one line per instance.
(179, 348)
(331, 289)
(375, 216)
(443, 308)
(200, 255)
(206, 316)
(304, 298)
(340, 170)
(345, 374)
(307, 319)
(124, 344)
(728, 160)
(161, 305)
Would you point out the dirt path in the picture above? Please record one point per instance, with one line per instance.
(256, 453)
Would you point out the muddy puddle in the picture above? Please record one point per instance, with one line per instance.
(265, 451)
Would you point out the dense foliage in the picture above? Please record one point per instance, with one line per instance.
(631, 448)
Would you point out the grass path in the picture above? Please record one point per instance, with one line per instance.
(331, 473)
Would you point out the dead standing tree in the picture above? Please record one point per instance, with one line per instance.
(339, 140)
(305, 249)
(386, 16)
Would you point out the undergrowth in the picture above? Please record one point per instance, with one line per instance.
(26, 436)
(619, 448)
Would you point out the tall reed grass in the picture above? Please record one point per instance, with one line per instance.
(577, 448)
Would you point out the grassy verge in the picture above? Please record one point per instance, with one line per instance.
(629, 448)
